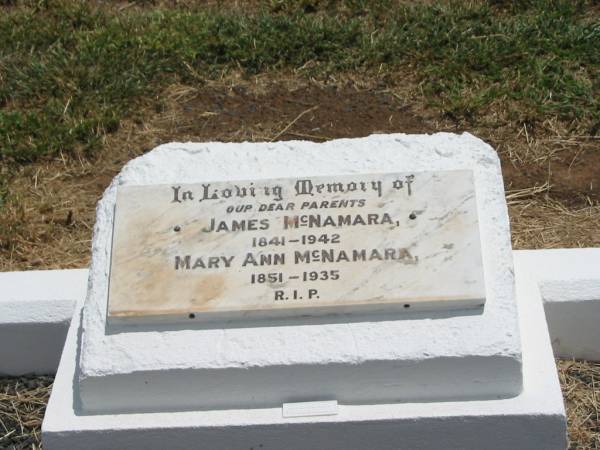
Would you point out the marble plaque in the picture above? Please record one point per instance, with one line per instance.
(296, 247)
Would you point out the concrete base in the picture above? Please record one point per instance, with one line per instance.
(534, 420)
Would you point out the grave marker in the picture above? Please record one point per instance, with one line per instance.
(303, 246)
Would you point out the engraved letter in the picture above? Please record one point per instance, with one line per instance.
(304, 187)
(206, 194)
(376, 187)
(277, 191)
(335, 187)
(409, 181)
(176, 194)
(227, 260)
(184, 263)
(290, 222)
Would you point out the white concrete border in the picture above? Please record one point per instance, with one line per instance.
(534, 420)
(35, 311)
(36, 307)
(569, 282)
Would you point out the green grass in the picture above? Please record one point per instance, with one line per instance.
(69, 73)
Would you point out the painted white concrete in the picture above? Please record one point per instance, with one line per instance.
(437, 356)
(36, 307)
(534, 420)
(569, 282)
(35, 311)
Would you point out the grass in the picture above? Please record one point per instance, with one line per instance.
(72, 81)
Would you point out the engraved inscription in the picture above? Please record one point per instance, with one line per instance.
(297, 246)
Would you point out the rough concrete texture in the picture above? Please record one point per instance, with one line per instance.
(533, 420)
(431, 357)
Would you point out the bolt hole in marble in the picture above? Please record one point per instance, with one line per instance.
(296, 247)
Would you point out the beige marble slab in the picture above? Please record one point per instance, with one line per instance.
(392, 242)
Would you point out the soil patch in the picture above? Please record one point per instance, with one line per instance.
(572, 176)
(307, 112)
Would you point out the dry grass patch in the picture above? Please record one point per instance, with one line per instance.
(580, 383)
(47, 222)
(540, 223)
(22, 404)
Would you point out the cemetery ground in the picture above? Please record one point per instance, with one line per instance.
(83, 89)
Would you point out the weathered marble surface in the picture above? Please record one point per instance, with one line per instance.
(296, 246)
